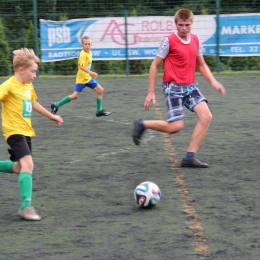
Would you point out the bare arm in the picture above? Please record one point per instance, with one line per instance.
(41, 110)
(91, 73)
(207, 74)
(152, 79)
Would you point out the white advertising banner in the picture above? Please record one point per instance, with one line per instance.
(118, 38)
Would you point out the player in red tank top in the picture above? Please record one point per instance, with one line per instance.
(181, 54)
(180, 63)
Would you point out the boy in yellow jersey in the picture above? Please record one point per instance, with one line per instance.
(18, 99)
(85, 78)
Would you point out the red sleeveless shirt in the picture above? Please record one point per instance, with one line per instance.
(180, 63)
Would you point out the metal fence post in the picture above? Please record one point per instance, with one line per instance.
(35, 29)
(217, 37)
(126, 47)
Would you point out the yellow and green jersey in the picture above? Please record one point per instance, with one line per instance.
(85, 60)
(17, 100)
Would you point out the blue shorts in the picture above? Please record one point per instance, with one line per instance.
(178, 95)
(91, 84)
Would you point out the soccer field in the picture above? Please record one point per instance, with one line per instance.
(86, 172)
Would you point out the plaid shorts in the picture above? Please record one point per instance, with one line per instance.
(178, 95)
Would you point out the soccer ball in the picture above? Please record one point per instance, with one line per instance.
(147, 194)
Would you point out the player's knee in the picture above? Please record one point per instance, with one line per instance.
(27, 164)
(176, 126)
(210, 118)
(17, 167)
(206, 120)
(27, 168)
(101, 90)
(30, 167)
(74, 96)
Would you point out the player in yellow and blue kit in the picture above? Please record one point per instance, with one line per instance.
(85, 78)
(18, 99)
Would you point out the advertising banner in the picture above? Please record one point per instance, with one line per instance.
(239, 35)
(118, 38)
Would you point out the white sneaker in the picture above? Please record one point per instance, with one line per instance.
(29, 213)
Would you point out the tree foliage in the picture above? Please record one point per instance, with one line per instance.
(5, 67)
(29, 38)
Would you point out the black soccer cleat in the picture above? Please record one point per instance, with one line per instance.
(103, 113)
(137, 132)
(54, 109)
(193, 163)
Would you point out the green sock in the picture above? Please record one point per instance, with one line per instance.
(99, 104)
(25, 186)
(63, 101)
(7, 166)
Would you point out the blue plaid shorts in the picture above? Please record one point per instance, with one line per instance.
(178, 95)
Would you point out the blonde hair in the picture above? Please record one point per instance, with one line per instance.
(24, 58)
(183, 14)
(85, 38)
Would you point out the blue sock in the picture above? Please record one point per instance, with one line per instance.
(189, 155)
(141, 124)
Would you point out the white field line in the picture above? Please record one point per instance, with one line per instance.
(122, 150)
(108, 120)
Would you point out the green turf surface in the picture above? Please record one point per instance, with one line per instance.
(86, 172)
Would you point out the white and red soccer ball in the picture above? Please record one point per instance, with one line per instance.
(147, 194)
